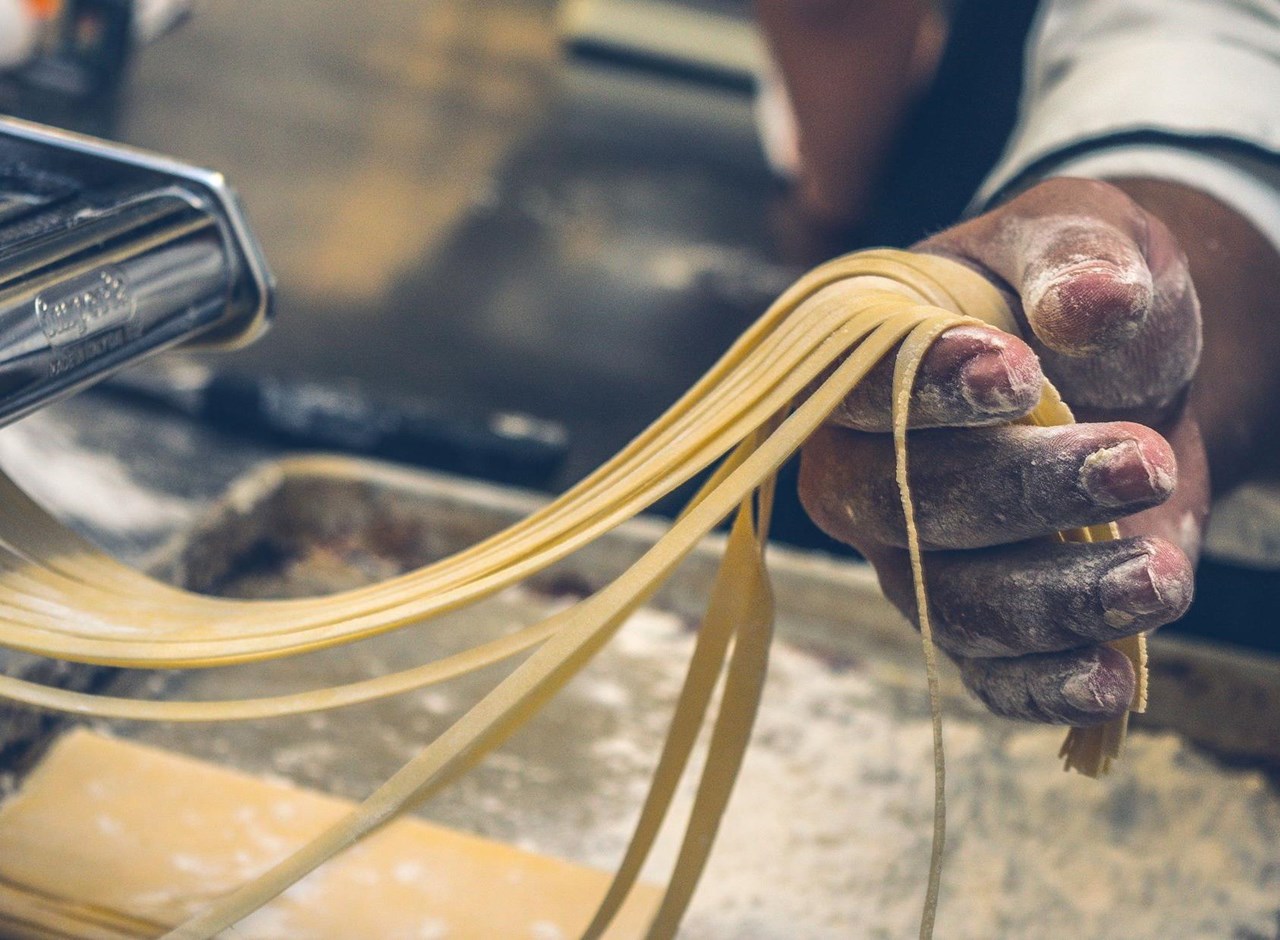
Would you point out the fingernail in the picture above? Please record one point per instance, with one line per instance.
(1121, 474)
(1129, 590)
(1096, 690)
(991, 384)
(1084, 306)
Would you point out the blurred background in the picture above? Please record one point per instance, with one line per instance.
(457, 210)
(525, 225)
(559, 209)
(454, 211)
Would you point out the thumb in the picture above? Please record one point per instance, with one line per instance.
(1105, 291)
(1085, 284)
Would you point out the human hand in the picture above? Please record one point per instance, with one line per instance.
(1110, 316)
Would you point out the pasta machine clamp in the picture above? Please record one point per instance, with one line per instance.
(110, 254)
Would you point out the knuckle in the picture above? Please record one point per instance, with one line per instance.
(848, 487)
(1149, 585)
(816, 492)
(824, 488)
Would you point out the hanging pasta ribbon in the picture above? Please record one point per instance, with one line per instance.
(62, 598)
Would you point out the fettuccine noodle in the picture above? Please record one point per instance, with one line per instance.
(62, 598)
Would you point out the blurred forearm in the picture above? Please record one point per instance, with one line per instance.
(850, 68)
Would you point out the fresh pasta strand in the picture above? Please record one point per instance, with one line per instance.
(905, 368)
(62, 598)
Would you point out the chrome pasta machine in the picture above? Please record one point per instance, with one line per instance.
(110, 254)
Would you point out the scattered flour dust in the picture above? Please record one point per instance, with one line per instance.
(828, 832)
(94, 488)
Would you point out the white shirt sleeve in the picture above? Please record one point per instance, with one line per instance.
(1246, 183)
(1182, 90)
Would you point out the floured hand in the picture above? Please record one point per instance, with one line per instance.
(1110, 316)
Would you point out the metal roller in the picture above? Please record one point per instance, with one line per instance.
(110, 254)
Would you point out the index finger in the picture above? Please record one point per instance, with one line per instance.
(972, 376)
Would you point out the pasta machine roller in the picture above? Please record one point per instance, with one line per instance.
(110, 254)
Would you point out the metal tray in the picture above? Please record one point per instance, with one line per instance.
(828, 833)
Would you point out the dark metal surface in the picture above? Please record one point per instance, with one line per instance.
(341, 417)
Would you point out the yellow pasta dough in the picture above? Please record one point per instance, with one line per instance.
(80, 855)
(62, 598)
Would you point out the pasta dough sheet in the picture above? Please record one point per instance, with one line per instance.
(109, 839)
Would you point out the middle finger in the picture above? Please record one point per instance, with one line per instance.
(980, 487)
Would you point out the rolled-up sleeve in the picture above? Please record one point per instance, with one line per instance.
(1138, 78)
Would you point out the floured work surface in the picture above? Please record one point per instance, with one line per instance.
(828, 833)
(109, 838)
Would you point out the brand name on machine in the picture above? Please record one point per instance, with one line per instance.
(85, 307)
